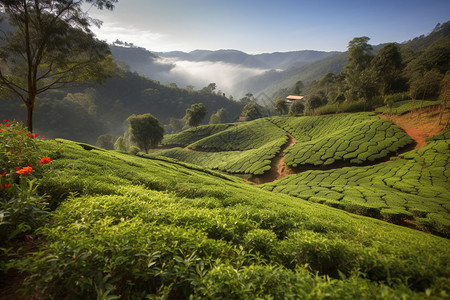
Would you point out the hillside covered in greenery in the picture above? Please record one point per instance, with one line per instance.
(348, 161)
(127, 226)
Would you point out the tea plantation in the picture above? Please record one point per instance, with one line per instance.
(192, 135)
(412, 186)
(132, 228)
(402, 107)
(353, 138)
(246, 148)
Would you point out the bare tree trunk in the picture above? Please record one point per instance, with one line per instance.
(30, 109)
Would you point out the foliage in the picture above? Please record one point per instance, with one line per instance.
(251, 111)
(105, 141)
(195, 114)
(353, 138)
(244, 148)
(192, 135)
(281, 107)
(52, 47)
(403, 107)
(297, 107)
(22, 165)
(110, 104)
(221, 116)
(412, 186)
(120, 145)
(337, 107)
(145, 131)
(136, 228)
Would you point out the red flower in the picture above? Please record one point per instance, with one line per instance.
(4, 120)
(1, 175)
(45, 160)
(7, 185)
(24, 171)
(7, 125)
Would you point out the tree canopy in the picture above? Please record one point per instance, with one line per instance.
(145, 131)
(195, 114)
(50, 47)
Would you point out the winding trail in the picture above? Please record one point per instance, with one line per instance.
(278, 170)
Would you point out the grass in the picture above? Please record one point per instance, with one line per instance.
(132, 227)
(403, 107)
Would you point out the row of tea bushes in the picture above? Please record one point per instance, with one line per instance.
(254, 161)
(193, 134)
(245, 136)
(135, 228)
(353, 138)
(413, 186)
(403, 107)
(245, 148)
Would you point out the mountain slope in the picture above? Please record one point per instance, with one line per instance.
(144, 228)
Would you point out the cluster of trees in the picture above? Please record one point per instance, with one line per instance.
(418, 69)
(419, 73)
(145, 132)
(52, 62)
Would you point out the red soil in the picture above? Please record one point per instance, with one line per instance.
(421, 124)
(279, 170)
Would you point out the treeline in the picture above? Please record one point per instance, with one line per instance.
(83, 114)
(418, 69)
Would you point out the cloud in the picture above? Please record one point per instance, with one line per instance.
(201, 73)
(129, 33)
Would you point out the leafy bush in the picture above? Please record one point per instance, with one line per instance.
(22, 164)
(149, 228)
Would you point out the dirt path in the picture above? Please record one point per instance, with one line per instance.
(278, 170)
(420, 124)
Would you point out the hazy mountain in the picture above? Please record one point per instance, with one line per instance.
(276, 60)
(227, 68)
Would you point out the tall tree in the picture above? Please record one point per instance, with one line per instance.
(145, 131)
(252, 111)
(281, 107)
(195, 114)
(297, 107)
(386, 67)
(358, 79)
(51, 47)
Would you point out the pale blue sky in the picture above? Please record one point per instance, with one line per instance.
(257, 26)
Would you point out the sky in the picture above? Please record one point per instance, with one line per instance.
(262, 26)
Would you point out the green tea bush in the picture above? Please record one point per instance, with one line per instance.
(193, 134)
(413, 184)
(153, 228)
(354, 138)
(403, 107)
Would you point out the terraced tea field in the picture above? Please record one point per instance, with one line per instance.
(353, 138)
(347, 161)
(246, 148)
(134, 228)
(412, 186)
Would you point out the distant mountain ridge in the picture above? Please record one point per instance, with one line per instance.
(275, 60)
